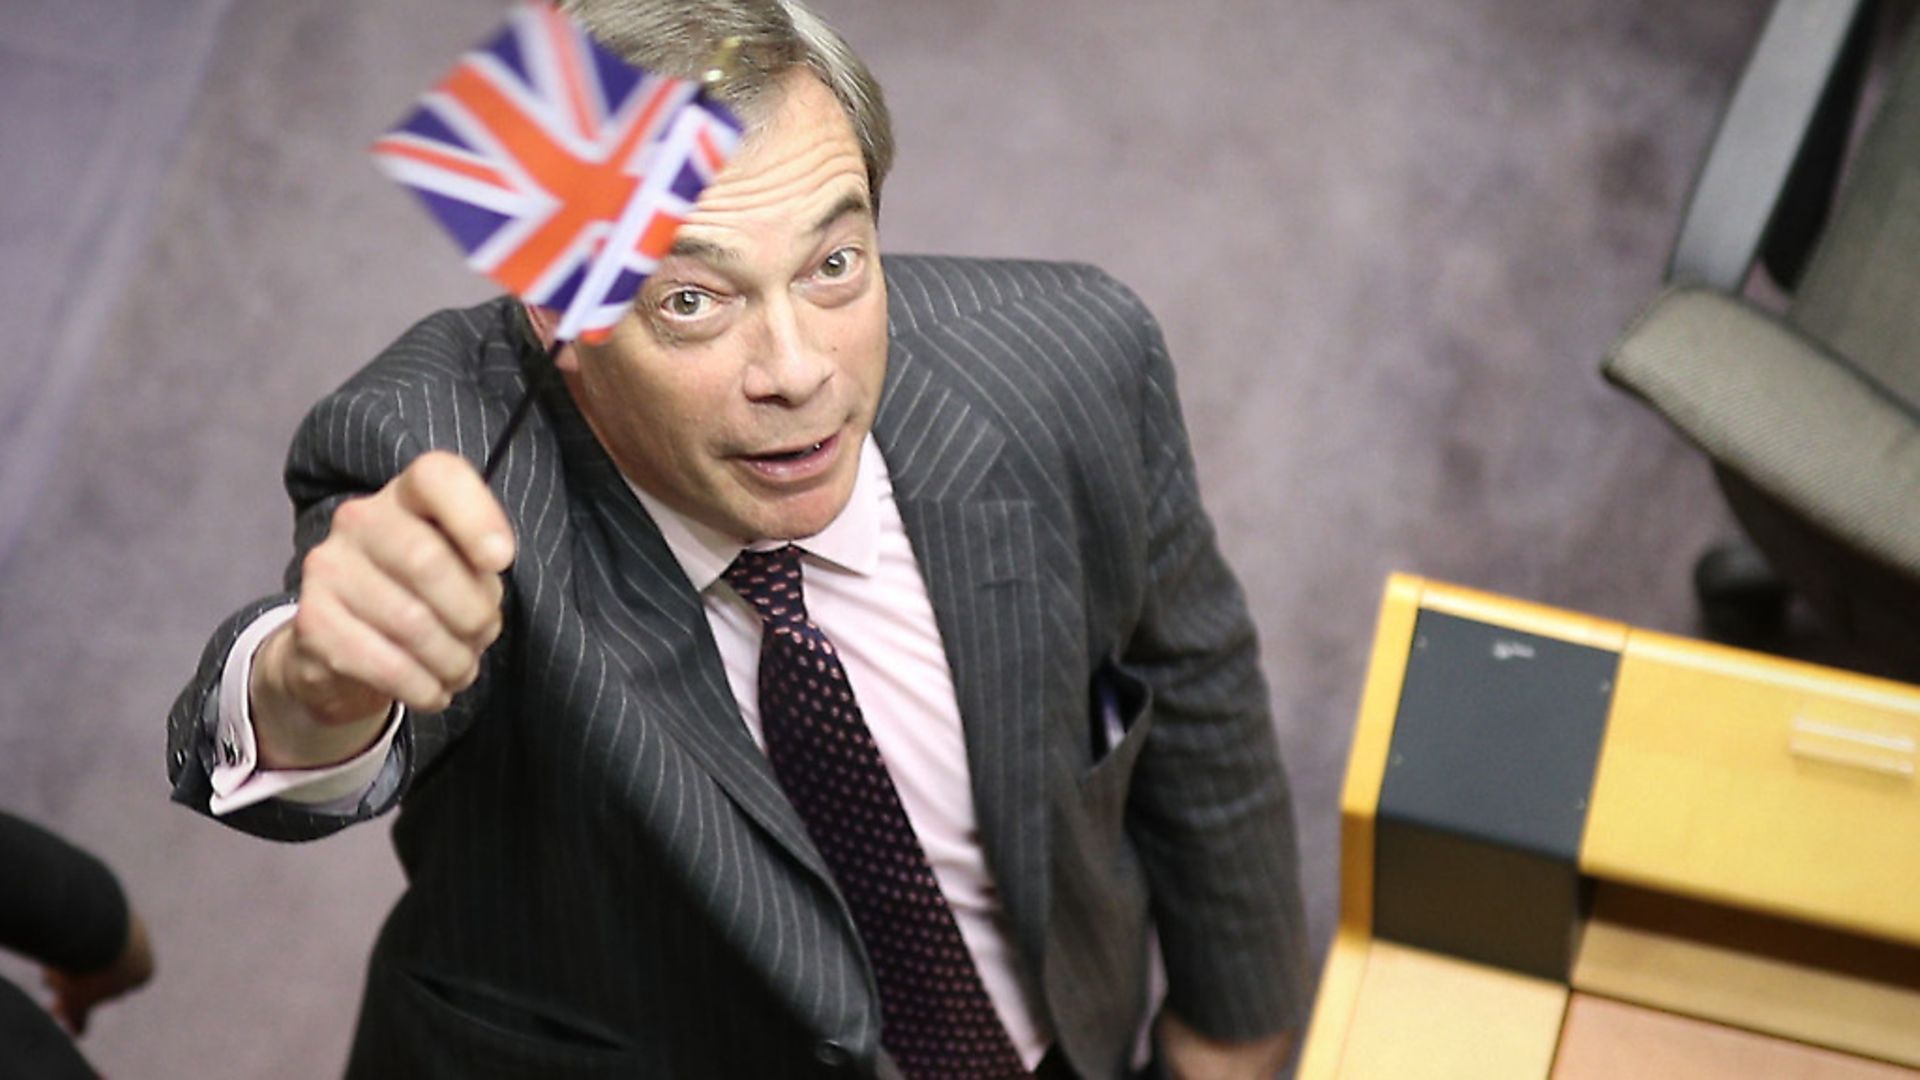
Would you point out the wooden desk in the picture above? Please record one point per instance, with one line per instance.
(1572, 848)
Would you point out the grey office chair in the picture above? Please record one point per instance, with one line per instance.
(1811, 417)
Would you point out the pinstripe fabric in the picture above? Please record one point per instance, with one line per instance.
(604, 878)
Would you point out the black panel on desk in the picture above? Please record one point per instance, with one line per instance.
(1485, 795)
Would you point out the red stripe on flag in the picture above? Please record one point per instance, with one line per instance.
(573, 78)
(440, 159)
(643, 124)
(710, 154)
(657, 239)
(591, 190)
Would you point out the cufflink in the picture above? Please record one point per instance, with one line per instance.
(229, 752)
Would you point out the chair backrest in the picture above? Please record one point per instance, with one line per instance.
(1861, 294)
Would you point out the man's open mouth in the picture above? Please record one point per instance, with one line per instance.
(796, 463)
(792, 455)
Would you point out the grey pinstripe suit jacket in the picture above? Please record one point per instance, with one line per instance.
(604, 877)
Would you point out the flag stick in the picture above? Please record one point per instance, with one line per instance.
(538, 386)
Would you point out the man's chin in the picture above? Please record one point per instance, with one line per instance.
(791, 528)
(797, 517)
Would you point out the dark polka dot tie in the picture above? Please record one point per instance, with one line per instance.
(937, 1020)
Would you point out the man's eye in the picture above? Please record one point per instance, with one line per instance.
(686, 303)
(837, 265)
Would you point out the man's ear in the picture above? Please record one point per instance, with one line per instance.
(543, 322)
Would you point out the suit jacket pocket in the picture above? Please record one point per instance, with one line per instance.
(506, 1031)
(1117, 700)
(1121, 716)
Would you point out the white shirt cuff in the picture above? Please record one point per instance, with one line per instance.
(239, 782)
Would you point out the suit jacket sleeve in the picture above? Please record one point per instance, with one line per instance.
(61, 906)
(1210, 811)
(420, 394)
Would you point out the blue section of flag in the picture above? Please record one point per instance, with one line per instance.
(428, 126)
(506, 49)
(564, 293)
(470, 225)
(688, 183)
(617, 77)
(628, 284)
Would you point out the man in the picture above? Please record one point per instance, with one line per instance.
(64, 909)
(680, 799)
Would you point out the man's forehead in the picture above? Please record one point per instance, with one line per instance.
(798, 95)
(798, 122)
(799, 172)
(712, 243)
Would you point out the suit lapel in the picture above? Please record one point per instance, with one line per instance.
(730, 823)
(970, 523)
(653, 615)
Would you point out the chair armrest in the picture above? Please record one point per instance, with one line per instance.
(1798, 87)
(1790, 417)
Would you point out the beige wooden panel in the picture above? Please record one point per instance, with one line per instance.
(1334, 1006)
(1611, 1040)
(1817, 986)
(1761, 784)
(1424, 1016)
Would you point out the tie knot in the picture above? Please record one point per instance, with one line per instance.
(770, 581)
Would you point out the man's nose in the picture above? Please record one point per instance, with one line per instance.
(786, 365)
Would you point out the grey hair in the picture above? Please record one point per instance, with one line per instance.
(682, 38)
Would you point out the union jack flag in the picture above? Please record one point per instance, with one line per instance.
(559, 168)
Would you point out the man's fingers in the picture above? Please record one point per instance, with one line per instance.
(405, 619)
(74, 1020)
(1189, 1054)
(336, 643)
(66, 1007)
(421, 560)
(446, 490)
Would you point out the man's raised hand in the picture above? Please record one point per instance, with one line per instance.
(397, 604)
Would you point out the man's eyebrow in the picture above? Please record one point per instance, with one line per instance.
(853, 202)
(708, 252)
(703, 250)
